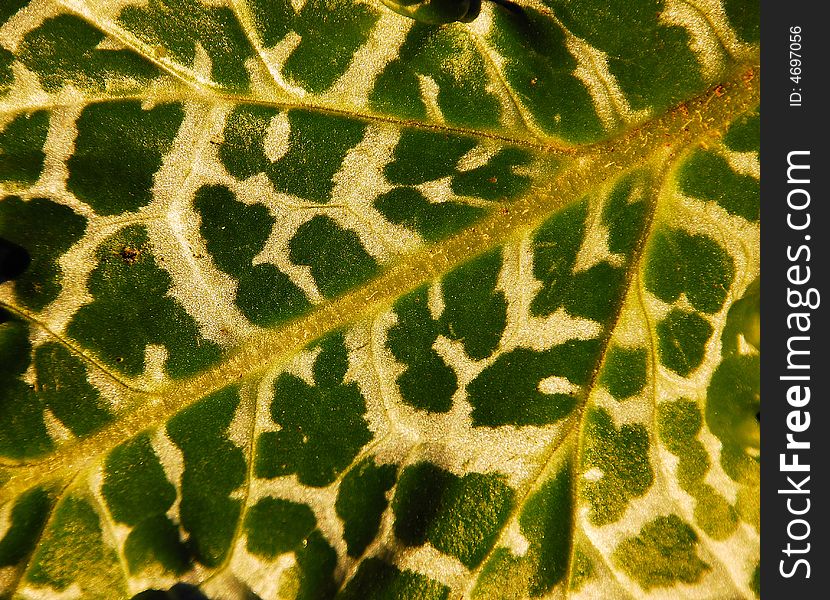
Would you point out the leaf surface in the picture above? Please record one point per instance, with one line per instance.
(307, 299)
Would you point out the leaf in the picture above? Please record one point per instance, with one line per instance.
(309, 299)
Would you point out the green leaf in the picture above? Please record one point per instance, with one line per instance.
(309, 299)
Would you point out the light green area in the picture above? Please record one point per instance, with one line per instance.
(72, 552)
(733, 401)
(460, 516)
(621, 454)
(681, 339)
(131, 308)
(321, 427)
(118, 151)
(679, 423)
(743, 321)
(214, 468)
(663, 554)
(33, 235)
(361, 501)
(378, 580)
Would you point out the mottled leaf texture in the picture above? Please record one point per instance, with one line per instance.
(363, 299)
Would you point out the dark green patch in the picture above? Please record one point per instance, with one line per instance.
(173, 28)
(506, 392)
(495, 180)
(27, 519)
(625, 212)
(692, 264)
(234, 234)
(63, 387)
(539, 70)
(743, 321)
(744, 134)
(707, 176)
(60, 385)
(322, 427)
(274, 526)
(317, 145)
(214, 468)
(135, 486)
(378, 580)
(330, 35)
(624, 372)
(33, 235)
(662, 554)
(424, 155)
(21, 147)
(411, 341)
(546, 521)
(154, 541)
(10, 8)
(621, 454)
(733, 400)
(449, 56)
(745, 19)
(682, 338)
(64, 50)
(460, 516)
(330, 32)
(6, 73)
(755, 582)
(22, 431)
(118, 150)
(132, 308)
(432, 220)
(475, 313)
(316, 561)
(72, 550)
(336, 256)
(555, 247)
(593, 293)
(679, 423)
(658, 71)
(361, 501)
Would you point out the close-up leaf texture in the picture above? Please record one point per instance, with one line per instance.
(379, 300)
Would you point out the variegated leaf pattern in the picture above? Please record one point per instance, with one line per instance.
(306, 299)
